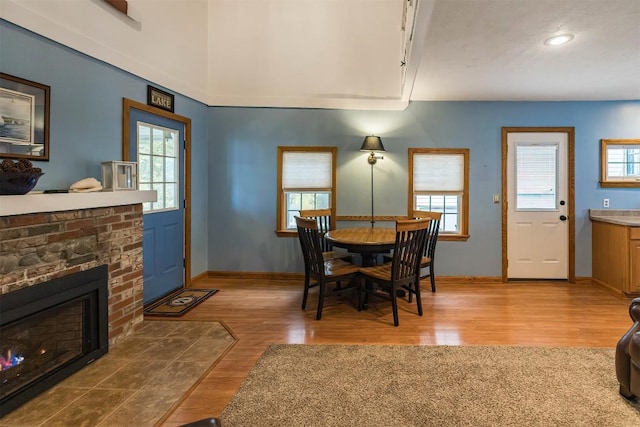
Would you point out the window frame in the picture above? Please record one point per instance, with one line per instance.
(463, 234)
(605, 182)
(281, 204)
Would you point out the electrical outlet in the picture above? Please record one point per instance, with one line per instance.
(605, 203)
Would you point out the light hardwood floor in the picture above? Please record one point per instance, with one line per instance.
(263, 312)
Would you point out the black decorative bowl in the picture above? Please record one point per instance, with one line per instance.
(12, 183)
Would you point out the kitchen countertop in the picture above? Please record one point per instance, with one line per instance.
(628, 217)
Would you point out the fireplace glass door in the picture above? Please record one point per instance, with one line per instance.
(49, 331)
(36, 346)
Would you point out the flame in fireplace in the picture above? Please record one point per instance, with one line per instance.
(11, 360)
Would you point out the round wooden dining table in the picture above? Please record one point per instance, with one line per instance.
(366, 241)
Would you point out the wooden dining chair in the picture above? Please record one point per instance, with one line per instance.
(325, 223)
(402, 272)
(428, 258)
(317, 268)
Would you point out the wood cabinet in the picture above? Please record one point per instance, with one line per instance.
(634, 258)
(615, 259)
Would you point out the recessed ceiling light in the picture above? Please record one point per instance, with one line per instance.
(558, 40)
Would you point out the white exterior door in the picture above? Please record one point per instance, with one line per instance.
(537, 211)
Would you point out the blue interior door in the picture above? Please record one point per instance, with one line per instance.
(159, 151)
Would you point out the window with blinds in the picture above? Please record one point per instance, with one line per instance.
(536, 177)
(306, 181)
(438, 182)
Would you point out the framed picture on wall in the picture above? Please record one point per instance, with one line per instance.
(24, 119)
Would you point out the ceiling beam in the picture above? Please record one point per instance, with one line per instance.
(416, 43)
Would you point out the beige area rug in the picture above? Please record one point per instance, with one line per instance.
(352, 385)
(137, 383)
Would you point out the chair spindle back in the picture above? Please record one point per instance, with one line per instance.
(432, 234)
(409, 247)
(310, 242)
(325, 223)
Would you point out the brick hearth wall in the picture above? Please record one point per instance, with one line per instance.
(35, 248)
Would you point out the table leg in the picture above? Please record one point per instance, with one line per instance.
(368, 259)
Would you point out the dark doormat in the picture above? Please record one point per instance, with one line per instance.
(179, 303)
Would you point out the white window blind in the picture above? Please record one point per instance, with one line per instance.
(438, 172)
(306, 170)
(536, 176)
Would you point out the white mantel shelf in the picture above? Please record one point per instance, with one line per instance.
(39, 202)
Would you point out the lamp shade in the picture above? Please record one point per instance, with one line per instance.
(372, 143)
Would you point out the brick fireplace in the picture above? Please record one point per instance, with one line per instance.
(43, 237)
(83, 246)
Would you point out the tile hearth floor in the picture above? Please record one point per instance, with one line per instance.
(135, 383)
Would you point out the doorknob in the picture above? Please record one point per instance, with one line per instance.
(563, 218)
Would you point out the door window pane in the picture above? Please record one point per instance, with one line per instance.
(158, 141)
(170, 194)
(158, 166)
(144, 166)
(159, 203)
(170, 169)
(170, 145)
(144, 140)
(146, 206)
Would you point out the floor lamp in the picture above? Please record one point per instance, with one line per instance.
(372, 144)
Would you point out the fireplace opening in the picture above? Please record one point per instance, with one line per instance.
(49, 331)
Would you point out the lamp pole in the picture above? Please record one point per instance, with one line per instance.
(372, 217)
(372, 144)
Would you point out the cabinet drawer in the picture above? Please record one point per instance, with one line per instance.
(634, 233)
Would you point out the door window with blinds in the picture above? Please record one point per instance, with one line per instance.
(158, 156)
(306, 180)
(439, 182)
(536, 177)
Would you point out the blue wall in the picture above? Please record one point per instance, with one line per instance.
(234, 157)
(86, 117)
(242, 184)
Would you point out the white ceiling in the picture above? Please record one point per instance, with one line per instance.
(341, 53)
(493, 50)
(349, 53)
